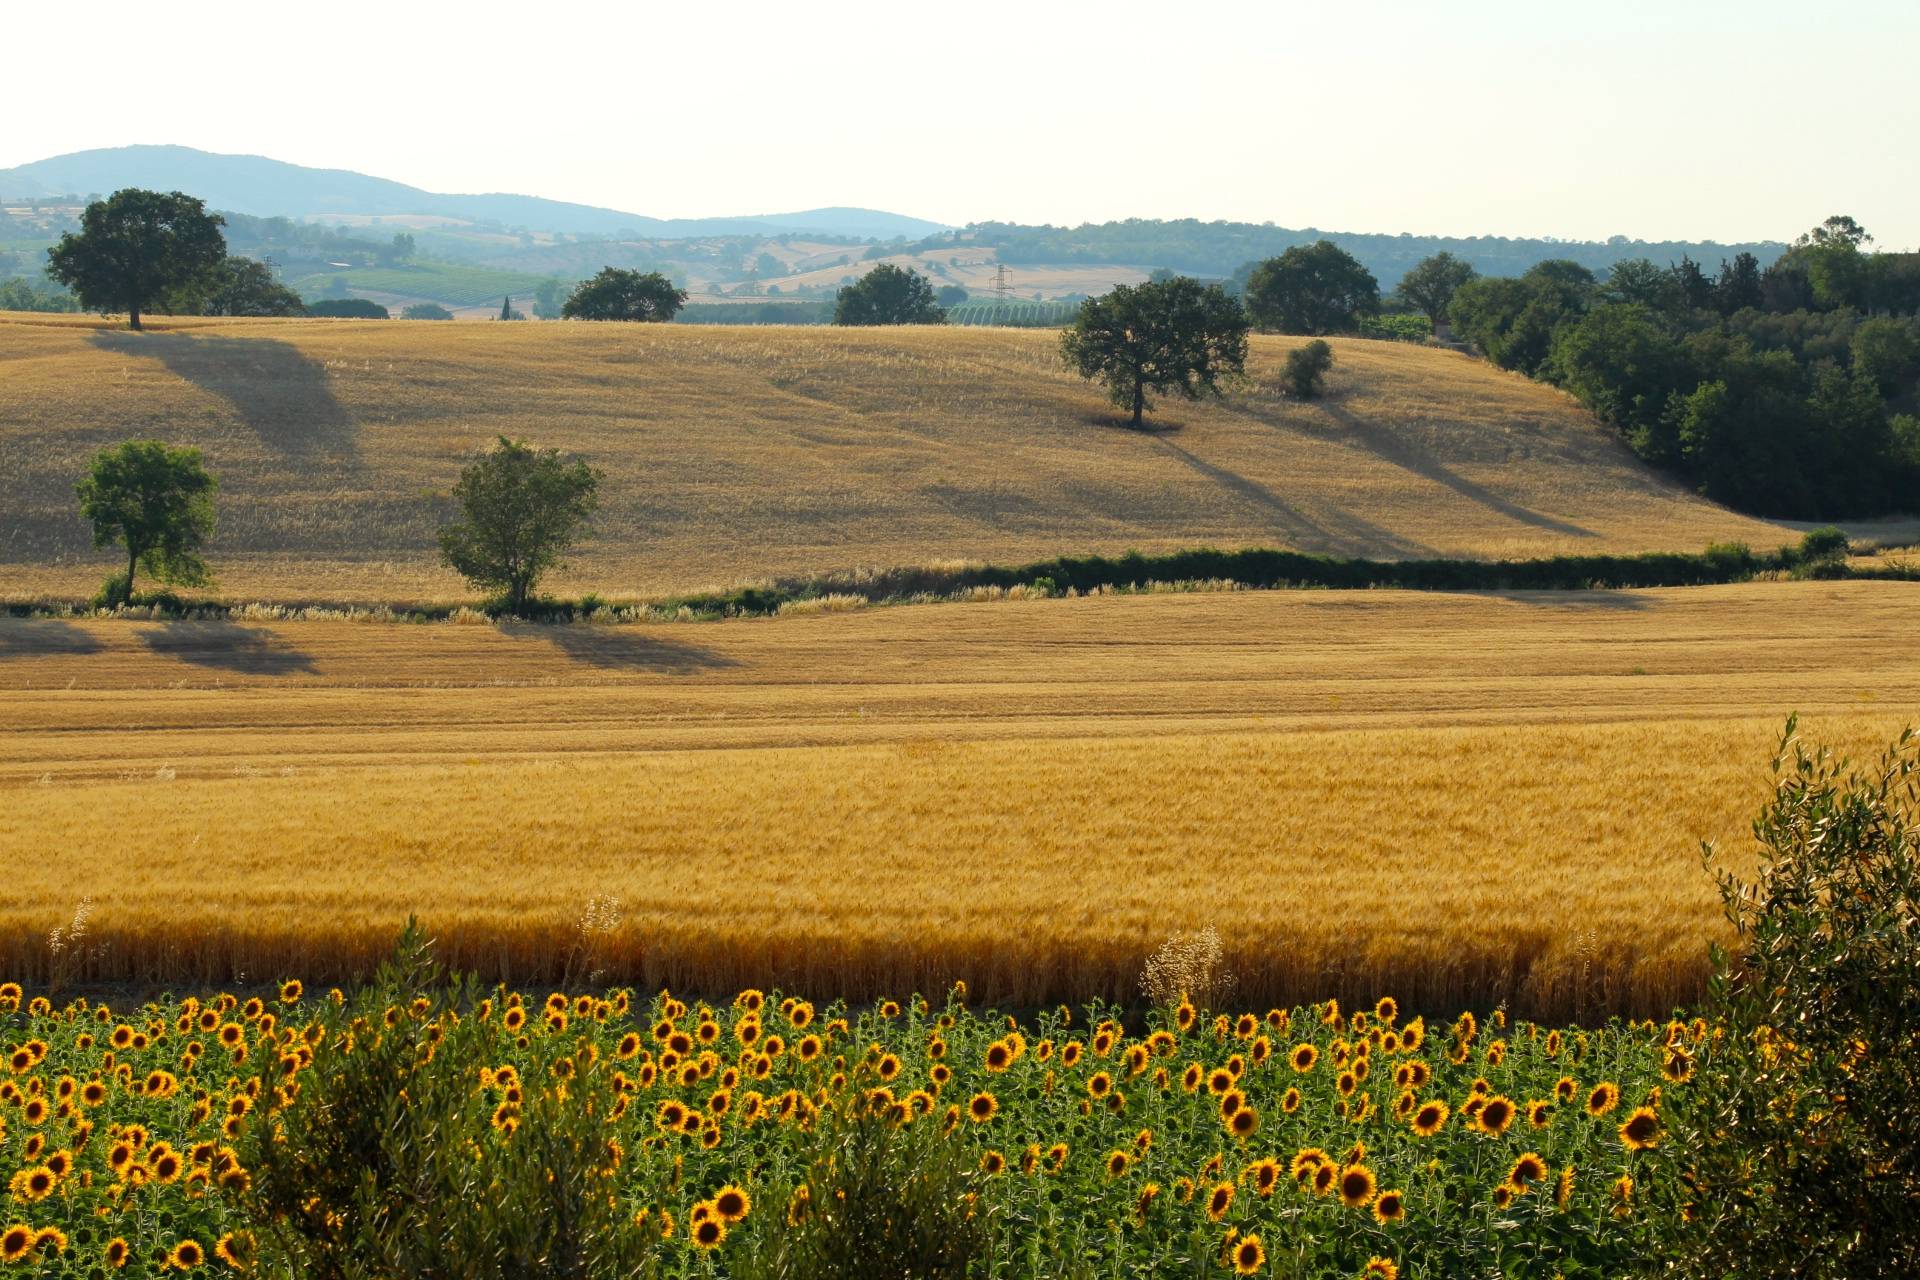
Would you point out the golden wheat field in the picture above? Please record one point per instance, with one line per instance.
(1458, 798)
(735, 454)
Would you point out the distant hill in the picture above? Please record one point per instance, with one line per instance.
(267, 188)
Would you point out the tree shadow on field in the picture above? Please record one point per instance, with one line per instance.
(44, 638)
(1404, 453)
(621, 648)
(1341, 534)
(1598, 599)
(280, 394)
(249, 651)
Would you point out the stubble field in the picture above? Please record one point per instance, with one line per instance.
(1460, 799)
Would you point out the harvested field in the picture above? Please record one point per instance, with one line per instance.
(1459, 799)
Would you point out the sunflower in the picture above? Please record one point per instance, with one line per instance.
(1118, 1162)
(117, 1251)
(1564, 1088)
(1347, 1083)
(1380, 1269)
(1677, 1066)
(15, 1243)
(1495, 1115)
(1429, 1118)
(1100, 1085)
(1219, 1200)
(1563, 1188)
(1244, 1122)
(982, 1107)
(1528, 1169)
(1604, 1098)
(1248, 1256)
(1642, 1129)
(1148, 1194)
(1389, 1207)
(1245, 1026)
(732, 1203)
(1266, 1176)
(186, 1255)
(707, 1233)
(1503, 1195)
(1357, 1186)
(992, 1162)
(1326, 1178)
(1622, 1193)
(999, 1056)
(1303, 1057)
(1290, 1101)
(1305, 1161)
(1219, 1080)
(235, 1249)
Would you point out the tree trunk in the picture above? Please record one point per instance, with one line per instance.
(133, 316)
(1139, 402)
(133, 560)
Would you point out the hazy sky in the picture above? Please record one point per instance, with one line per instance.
(1728, 121)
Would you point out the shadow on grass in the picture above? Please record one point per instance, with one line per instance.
(226, 646)
(44, 638)
(280, 394)
(621, 648)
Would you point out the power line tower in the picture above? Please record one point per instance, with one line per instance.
(1002, 287)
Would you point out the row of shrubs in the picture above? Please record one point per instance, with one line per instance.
(1819, 554)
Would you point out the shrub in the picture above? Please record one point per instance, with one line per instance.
(348, 309)
(1307, 368)
(1731, 558)
(399, 1160)
(879, 1202)
(1797, 1134)
(1823, 546)
(113, 593)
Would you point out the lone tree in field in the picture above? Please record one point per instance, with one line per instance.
(521, 508)
(1430, 285)
(156, 500)
(888, 295)
(1171, 336)
(1312, 289)
(136, 247)
(1307, 368)
(615, 294)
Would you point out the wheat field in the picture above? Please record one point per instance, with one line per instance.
(737, 454)
(1457, 798)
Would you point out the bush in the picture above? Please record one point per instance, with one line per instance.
(1307, 369)
(426, 311)
(1798, 1131)
(113, 593)
(1823, 546)
(403, 1159)
(1734, 559)
(880, 1202)
(348, 309)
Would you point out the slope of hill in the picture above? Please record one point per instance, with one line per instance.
(736, 453)
(266, 187)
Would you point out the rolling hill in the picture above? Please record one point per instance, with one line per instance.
(735, 454)
(265, 187)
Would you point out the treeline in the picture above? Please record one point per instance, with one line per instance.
(1218, 248)
(1787, 389)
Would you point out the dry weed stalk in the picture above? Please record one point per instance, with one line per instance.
(1189, 966)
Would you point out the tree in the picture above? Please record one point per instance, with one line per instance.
(136, 247)
(348, 309)
(1307, 368)
(616, 294)
(1179, 336)
(1696, 290)
(521, 508)
(1622, 364)
(426, 311)
(951, 295)
(1643, 283)
(156, 500)
(402, 248)
(1739, 284)
(1316, 288)
(888, 295)
(1430, 285)
(236, 287)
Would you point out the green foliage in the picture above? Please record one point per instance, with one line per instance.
(448, 283)
(1174, 336)
(950, 295)
(1514, 320)
(1307, 367)
(1798, 1130)
(348, 309)
(1887, 352)
(23, 295)
(1823, 546)
(155, 500)
(1312, 289)
(881, 1203)
(235, 287)
(616, 294)
(426, 311)
(521, 509)
(1396, 328)
(1432, 283)
(888, 295)
(391, 1161)
(136, 247)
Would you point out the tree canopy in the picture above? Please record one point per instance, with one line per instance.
(1176, 336)
(1313, 289)
(136, 247)
(158, 502)
(1430, 285)
(235, 287)
(617, 294)
(888, 295)
(521, 509)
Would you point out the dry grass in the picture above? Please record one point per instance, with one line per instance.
(1454, 798)
(735, 454)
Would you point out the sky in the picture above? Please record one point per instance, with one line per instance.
(1675, 120)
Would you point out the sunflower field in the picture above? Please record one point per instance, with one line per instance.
(1314, 1141)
